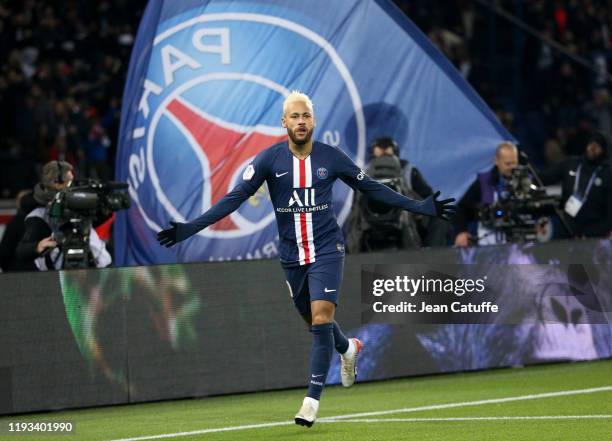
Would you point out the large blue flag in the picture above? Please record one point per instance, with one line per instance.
(204, 95)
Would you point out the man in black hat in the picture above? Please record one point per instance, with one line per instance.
(385, 164)
(586, 184)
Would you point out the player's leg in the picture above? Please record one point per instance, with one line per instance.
(323, 284)
(305, 313)
(349, 349)
(320, 359)
(325, 280)
(332, 275)
(341, 342)
(297, 282)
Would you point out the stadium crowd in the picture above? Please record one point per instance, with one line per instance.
(61, 82)
(549, 102)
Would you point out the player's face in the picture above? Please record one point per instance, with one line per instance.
(299, 121)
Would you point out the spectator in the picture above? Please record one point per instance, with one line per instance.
(62, 65)
(14, 231)
(586, 190)
(553, 152)
(599, 111)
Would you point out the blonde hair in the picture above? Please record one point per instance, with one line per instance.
(297, 96)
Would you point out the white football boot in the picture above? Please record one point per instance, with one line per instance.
(348, 370)
(308, 412)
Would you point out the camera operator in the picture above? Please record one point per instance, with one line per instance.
(485, 190)
(38, 250)
(586, 190)
(386, 166)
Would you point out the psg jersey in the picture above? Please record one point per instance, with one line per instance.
(301, 193)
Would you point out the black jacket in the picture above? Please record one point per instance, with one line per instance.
(595, 217)
(417, 181)
(467, 207)
(35, 230)
(13, 233)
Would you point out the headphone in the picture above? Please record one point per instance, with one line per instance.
(60, 172)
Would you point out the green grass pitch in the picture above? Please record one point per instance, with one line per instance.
(549, 402)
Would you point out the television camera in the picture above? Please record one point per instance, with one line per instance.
(73, 212)
(522, 208)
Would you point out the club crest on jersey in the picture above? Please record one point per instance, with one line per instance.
(322, 173)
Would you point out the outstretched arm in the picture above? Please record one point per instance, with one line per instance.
(358, 180)
(252, 178)
(226, 205)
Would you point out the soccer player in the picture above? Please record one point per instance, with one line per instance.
(300, 174)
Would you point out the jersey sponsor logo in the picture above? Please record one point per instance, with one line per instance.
(297, 209)
(322, 173)
(361, 175)
(303, 200)
(308, 195)
(206, 110)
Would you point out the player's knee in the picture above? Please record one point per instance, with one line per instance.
(322, 312)
(321, 320)
(322, 317)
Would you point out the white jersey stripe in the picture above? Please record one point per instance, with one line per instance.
(296, 172)
(298, 237)
(308, 241)
(309, 233)
(296, 216)
(304, 236)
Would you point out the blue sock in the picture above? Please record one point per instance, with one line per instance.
(320, 358)
(340, 340)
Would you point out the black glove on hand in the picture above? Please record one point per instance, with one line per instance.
(444, 208)
(168, 237)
